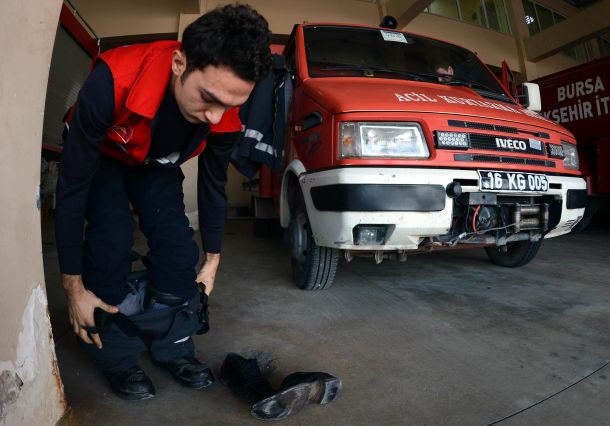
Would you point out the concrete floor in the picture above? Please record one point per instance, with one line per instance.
(446, 338)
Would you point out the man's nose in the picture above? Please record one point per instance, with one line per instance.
(214, 114)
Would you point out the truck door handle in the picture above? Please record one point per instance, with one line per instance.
(309, 121)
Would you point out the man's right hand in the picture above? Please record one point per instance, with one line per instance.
(81, 304)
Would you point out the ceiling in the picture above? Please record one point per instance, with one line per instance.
(580, 3)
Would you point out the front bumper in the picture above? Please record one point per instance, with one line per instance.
(412, 201)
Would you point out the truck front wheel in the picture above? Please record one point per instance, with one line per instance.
(313, 267)
(591, 209)
(516, 254)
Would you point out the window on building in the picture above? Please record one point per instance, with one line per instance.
(604, 45)
(530, 17)
(545, 17)
(485, 13)
(496, 15)
(558, 18)
(578, 52)
(447, 8)
(540, 18)
(472, 11)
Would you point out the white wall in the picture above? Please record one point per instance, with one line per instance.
(110, 18)
(283, 14)
(492, 46)
(30, 389)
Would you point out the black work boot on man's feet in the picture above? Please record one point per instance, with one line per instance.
(244, 378)
(131, 384)
(296, 391)
(189, 372)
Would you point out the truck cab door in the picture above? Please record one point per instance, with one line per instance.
(308, 121)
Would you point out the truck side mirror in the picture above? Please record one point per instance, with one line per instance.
(531, 97)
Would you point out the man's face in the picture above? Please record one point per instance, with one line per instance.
(446, 72)
(206, 94)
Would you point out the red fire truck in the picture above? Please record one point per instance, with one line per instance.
(579, 100)
(398, 143)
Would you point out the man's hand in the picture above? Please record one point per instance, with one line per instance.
(81, 304)
(208, 272)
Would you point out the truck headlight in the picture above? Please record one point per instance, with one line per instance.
(571, 155)
(396, 140)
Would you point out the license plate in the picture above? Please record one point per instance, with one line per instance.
(491, 180)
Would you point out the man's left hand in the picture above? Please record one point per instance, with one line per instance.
(207, 274)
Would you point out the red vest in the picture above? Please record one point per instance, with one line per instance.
(141, 73)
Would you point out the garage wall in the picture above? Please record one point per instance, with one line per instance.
(552, 65)
(560, 6)
(127, 17)
(496, 48)
(31, 392)
(110, 18)
(492, 46)
(283, 14)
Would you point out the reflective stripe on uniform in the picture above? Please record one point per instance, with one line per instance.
(266, 148)
(254, 134)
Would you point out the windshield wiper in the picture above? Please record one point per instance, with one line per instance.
(364, 69)
(446, 79)
(470, 83)
(451, 80)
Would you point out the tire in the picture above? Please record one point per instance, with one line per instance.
(313, 267)
(590, 211)
(518, 254)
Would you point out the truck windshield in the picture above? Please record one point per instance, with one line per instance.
(339, 51)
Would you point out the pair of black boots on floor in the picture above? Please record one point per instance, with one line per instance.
(244, 378)
(134, 384)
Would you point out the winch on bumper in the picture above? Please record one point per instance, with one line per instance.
(375, 208)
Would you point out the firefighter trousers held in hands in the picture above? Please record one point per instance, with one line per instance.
(156, 194)
(158, 322)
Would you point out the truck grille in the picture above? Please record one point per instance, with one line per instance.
(495, 128)
(465, 141)
(502, 159)
(489, 142)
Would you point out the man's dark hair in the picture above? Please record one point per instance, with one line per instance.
(440, 62)
(235, 36)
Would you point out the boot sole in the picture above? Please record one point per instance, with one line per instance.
(134, 396)
(291, 400)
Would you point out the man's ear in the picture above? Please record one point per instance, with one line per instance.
(178, 63)
(450, 69)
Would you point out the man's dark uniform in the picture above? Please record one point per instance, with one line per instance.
(125, 143)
